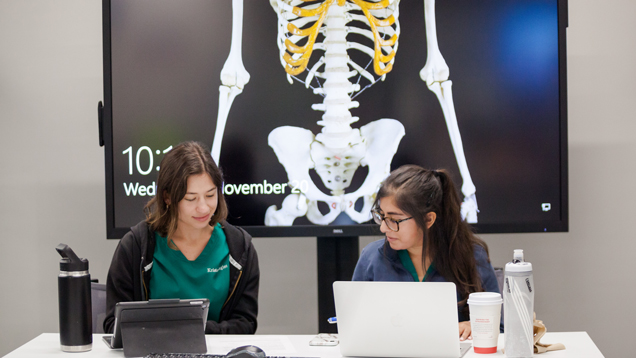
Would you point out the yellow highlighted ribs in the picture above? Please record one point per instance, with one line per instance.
(381, 61)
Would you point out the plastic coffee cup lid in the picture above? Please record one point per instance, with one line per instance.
(484, 298)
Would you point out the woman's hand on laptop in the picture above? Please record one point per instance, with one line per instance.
(464, 331)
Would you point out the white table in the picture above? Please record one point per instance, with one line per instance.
(577, 344)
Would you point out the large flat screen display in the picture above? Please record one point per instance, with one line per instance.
(308, 105)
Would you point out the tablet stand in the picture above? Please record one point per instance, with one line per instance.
(337, 258)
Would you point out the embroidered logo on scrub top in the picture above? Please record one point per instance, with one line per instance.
(217, 269)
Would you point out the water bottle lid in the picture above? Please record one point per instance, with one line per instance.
(518, 267)
(70, 262)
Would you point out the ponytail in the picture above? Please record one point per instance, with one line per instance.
(455, 242)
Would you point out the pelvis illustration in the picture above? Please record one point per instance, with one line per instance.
(314, 49)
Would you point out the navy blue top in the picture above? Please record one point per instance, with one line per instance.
(380, 263)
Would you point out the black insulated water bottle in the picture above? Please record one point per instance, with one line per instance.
(74, 290)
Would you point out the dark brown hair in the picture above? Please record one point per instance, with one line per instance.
(183, 161)
(450, 240)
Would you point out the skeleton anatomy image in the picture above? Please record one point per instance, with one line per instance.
(331, 29)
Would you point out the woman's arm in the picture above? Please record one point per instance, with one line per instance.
(363, 270)
(487, 275)
(241, 319)
(119, 282)
(486, 271)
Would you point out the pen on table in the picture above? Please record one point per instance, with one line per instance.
(332, 320)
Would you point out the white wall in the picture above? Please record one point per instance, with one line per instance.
(52, 180)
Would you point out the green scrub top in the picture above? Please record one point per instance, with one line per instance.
(208, 276)
(408, 265)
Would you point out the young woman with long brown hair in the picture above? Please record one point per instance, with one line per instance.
(426, 240)
(186, 249)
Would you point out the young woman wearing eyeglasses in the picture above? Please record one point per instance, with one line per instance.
(426, 240)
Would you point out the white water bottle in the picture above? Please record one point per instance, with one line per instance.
(518, 299)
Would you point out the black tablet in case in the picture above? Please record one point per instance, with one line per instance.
(160, 326)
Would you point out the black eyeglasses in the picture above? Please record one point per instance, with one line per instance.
(392, 224)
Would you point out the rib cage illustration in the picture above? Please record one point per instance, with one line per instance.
(315, 39)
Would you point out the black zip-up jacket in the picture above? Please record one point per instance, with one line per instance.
(129, 278)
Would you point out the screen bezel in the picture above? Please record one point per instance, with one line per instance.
(561, 225)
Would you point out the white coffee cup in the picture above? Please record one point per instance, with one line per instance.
(485, 316)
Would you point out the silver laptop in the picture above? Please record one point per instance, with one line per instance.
(398, 319)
